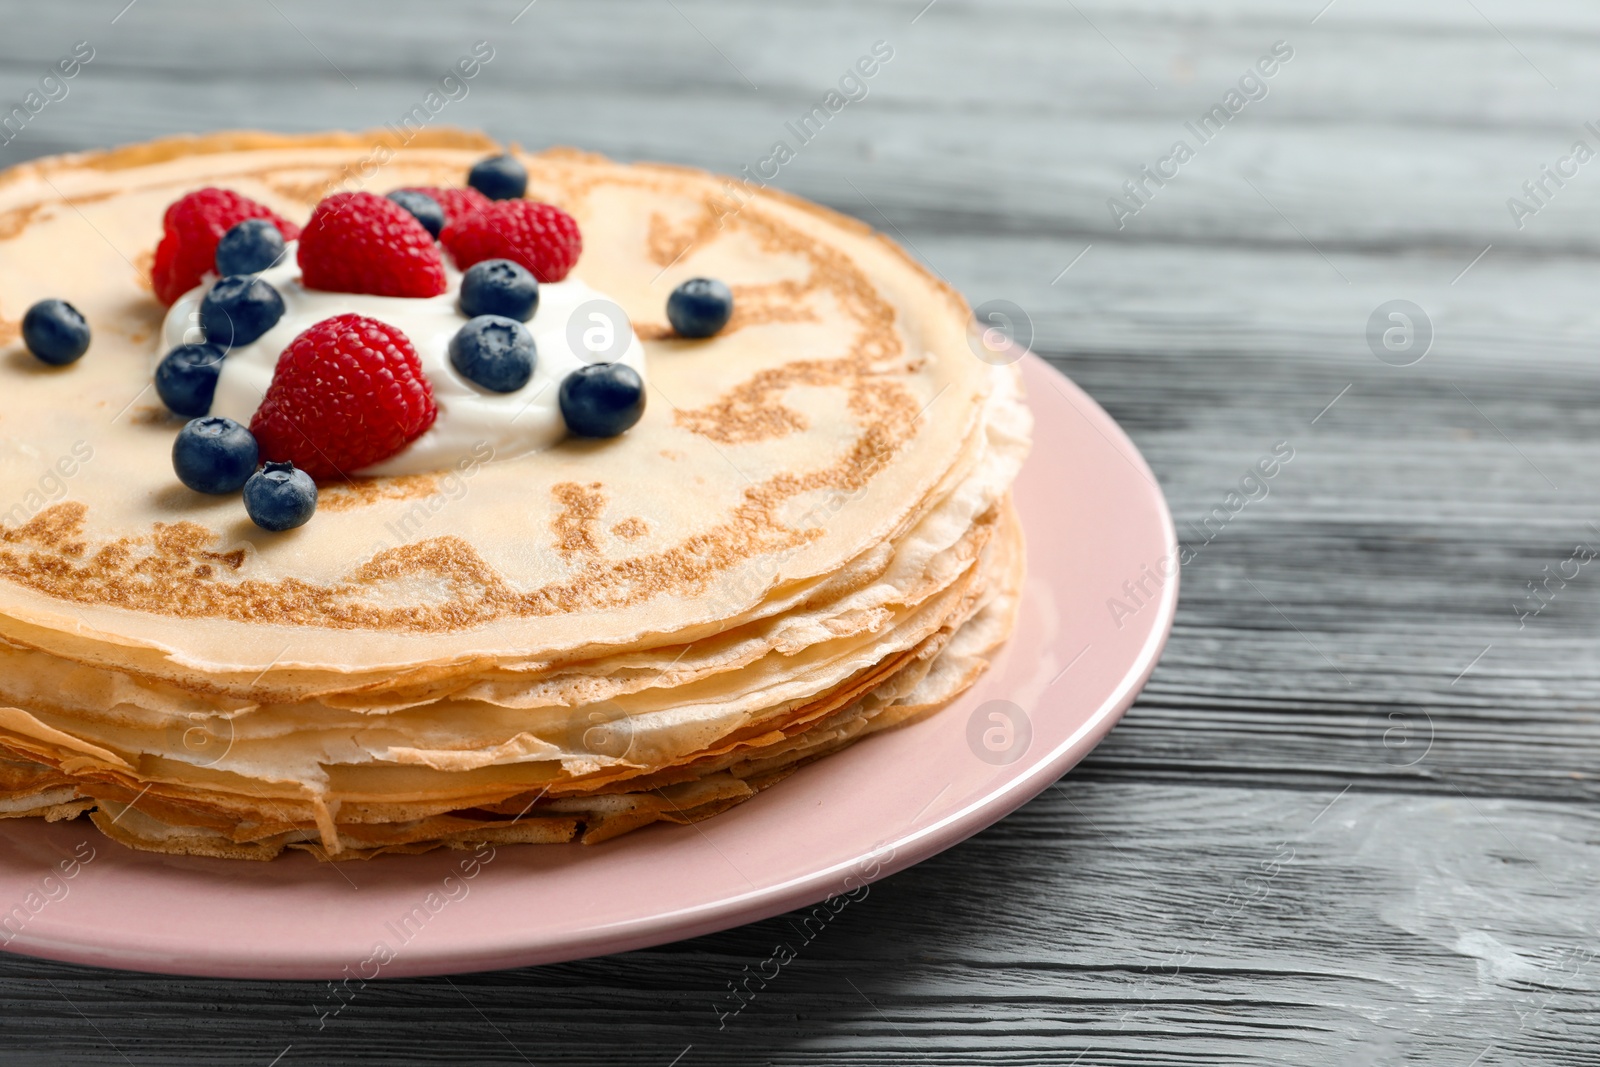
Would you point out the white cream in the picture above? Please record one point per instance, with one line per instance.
(470, 418)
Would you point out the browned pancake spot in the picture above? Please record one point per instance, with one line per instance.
(143, 264)
(574, 524)
(150, 415)
(302, 192)
(16, 220)
(631, 528)
(363, 492)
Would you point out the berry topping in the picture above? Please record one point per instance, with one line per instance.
(238, 310)
(457, 204)
(363, 243)
(249, 248)
(347, 393)
(499, 178)
(186, 378)
(213, 455)
(540, 237)
(192, 228)
(700, 307)
(278, 497)
(602, 399)
(499, 287)
(494, 352)
(55, 332)
(424, 207)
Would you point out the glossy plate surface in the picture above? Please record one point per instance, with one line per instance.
(1094, 518)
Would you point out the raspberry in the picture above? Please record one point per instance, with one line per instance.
(363, 243)
(347, 393)
(457, 203)
(191, 228)
(541, 237)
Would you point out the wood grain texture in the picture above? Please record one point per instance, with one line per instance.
(1351, 819)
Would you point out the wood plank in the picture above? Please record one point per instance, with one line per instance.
(1070, 120)
(1438, 911)
(1136, 924)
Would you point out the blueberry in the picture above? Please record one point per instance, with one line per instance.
(602, 399)
(700, 307)
(239, 309)
(214, 455)
(424, 207)
(494, 352)
(249, 248)
(55, 332)
(499, 287)
(186, 378)
(499, 178)
(277, 497)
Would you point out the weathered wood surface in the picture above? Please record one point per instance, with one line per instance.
(1327, 833)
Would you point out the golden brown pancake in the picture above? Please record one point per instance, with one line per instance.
(806, 539)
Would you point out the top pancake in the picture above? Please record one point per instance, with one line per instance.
(821, 423)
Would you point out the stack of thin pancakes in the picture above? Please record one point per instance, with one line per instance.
(808, 537)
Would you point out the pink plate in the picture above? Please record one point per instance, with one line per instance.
(1086, 641)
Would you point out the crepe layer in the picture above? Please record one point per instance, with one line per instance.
(806, 540)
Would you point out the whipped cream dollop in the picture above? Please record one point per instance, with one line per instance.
(574, 325)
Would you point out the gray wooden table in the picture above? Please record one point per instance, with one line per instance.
(1351, 819)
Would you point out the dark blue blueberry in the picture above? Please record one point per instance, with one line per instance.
(186, 378)
(494, 352)
(249, 248)
(499, 178)
(55, 332)
(278, 497)
(239, 309)
(214, 455)
(499, 287)
(424, 207)
(602, 399)
(700, 307)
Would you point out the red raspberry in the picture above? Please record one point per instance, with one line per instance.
(364, 243)
(191, 228)
(541, 237)
(347, 393)
(457, 203)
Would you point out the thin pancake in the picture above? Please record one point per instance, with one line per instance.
(806, 540)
